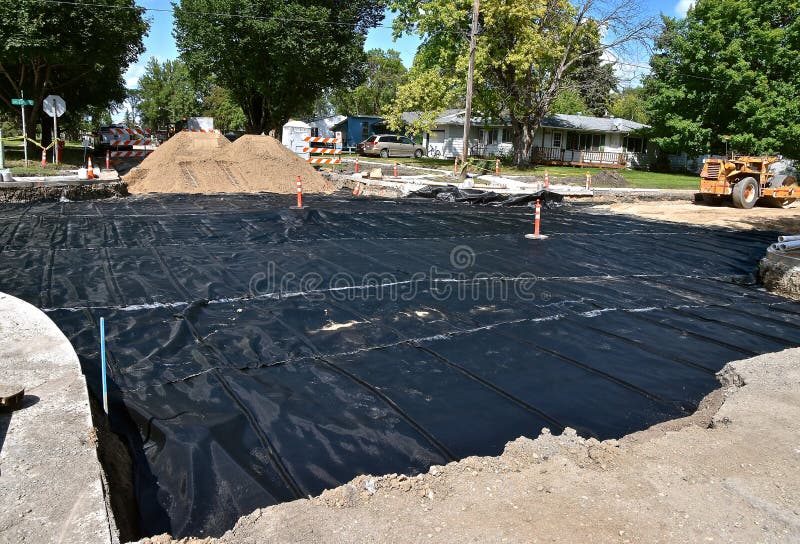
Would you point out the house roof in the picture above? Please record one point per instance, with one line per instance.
(568, 122)
(344, 121)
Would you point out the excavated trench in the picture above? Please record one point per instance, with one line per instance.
(260, 354)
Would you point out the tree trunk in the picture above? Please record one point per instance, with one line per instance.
(523, 133)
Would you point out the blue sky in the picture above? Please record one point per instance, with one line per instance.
(161, 44)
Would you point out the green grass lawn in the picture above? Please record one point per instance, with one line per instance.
(72, 158)
(637, 178)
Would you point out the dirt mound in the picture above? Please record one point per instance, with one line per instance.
(609, 178)
(208, 163)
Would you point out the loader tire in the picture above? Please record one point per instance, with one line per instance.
(745, 193)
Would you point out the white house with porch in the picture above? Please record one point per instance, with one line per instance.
(576, 140)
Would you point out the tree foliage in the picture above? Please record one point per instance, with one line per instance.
(528, 52)
(630, 104)
(167, 93)
(227, 114)
(276, 57)
(78, 52)
(385, 72)
(730, 67)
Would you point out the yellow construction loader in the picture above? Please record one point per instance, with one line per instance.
(746, 180)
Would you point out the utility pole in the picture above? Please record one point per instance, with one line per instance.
(470, 72)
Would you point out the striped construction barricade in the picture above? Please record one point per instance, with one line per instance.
(336, 150)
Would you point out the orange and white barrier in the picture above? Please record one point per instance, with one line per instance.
(44, 157)
(394, 171)
(129, 131)
(356, 164)
(336, 150)
(321, 140)
(497, 167)
(108, 159)
(321, 160)
(139, 141)
(134, 153)
(322, 150)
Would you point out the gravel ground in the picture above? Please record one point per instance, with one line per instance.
(729, 473)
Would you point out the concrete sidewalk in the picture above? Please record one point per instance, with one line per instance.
(51, 486)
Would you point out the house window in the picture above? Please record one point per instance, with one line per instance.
(634, 145)
(364, 130)
(586, 142)
(492, 137)
(315, 131)
(557, 140)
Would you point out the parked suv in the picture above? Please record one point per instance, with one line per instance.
(390, 145)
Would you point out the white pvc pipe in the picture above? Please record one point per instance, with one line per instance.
(789, 246)
(787, 238)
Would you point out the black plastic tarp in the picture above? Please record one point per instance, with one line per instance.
(260, 354)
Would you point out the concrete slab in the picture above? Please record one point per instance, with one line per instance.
(51, 487)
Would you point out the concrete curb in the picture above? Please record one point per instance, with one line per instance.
(51, 482)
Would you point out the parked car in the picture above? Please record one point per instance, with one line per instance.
(390, 145)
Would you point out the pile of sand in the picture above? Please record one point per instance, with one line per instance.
(191, 162)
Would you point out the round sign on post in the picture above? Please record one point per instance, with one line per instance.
(54, 106)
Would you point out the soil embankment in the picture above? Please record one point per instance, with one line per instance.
(759, 218)
(208, 163)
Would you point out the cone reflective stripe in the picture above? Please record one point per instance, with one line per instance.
(89, 169)
(44, 157)
(299, 192)
(356, 164)
(108, 159)
(395, 169)
(546, 180)
(497, 167)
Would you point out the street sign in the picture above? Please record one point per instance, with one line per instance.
(21, 102)
(54, 106)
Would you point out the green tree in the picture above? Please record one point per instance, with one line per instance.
(167, 93)
(384, 74)
(276, 57)
(729, 67)
(630, 104)
(570, 102)
(227, 114)
(527, 51)
(594, 79)
(77, 51)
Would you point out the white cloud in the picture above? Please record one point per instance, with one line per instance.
(132, 75)
(683, 6)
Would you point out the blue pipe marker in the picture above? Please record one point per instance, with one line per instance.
(103, 362)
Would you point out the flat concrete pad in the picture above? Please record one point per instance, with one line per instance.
(50, 479)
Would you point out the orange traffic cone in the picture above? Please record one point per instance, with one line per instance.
(89, 169)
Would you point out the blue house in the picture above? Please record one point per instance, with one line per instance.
(357, 128)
